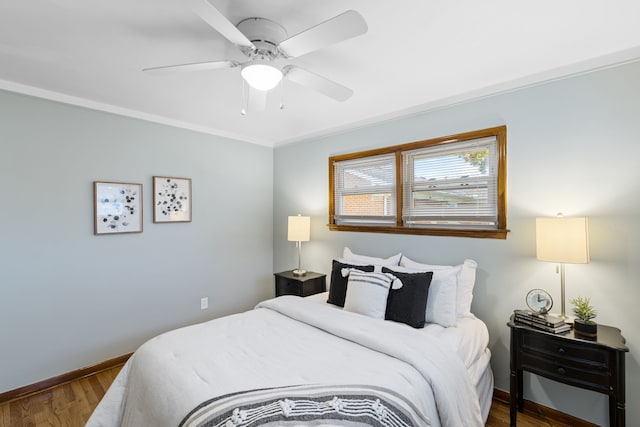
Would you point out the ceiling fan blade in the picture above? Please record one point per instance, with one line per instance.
(318, 83)
(257, 100)
(342, 27)
(196, 66)
(220, 23)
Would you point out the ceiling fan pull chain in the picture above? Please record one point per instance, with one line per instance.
(245, 98)
(281, 94)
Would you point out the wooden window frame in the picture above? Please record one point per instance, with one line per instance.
(499, 232)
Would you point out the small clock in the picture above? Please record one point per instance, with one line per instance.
(539, 301)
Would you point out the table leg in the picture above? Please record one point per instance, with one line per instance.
(520, 392)
(617, 398)
(513, 397)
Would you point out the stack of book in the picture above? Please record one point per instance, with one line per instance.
(546, 322)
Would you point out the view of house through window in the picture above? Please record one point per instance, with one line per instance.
(446, 186)
(365, 190)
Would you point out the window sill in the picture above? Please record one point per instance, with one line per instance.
(477, 233)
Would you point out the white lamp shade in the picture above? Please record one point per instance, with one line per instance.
(562, 240)
(299, 229)
(261, 76)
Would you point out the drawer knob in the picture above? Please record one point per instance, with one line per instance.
(562, 371)
(561, 350)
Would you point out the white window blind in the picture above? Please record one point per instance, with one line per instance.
(364, 191)
(451, 185)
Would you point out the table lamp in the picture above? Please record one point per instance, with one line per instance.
(299, 231)
(563, 241)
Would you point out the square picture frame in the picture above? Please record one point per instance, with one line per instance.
(171, 199)
(117, 207)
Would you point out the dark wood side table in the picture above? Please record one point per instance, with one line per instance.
(593, 364)
(303, 286)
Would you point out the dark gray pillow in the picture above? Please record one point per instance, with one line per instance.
(408, 304)
(338, 287)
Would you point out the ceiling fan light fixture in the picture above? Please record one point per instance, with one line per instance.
(261, 75)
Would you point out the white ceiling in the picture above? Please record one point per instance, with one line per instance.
(416, 55)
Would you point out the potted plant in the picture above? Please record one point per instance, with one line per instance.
(583, 324)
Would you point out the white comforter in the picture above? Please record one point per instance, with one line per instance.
(285, 341)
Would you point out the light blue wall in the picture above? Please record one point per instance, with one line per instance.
(69, 299)
(573, 147)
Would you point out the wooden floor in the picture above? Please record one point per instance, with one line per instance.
(67, 405)
(499, 417)
(70, 405)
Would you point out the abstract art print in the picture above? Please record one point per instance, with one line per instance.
(117, 207)
(171, 199)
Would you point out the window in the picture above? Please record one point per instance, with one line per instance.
(453, 185)
(365, 191)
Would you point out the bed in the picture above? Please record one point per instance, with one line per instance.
(306, 361)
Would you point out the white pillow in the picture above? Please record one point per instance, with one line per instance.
(466, 280)
(368, 260)
(367, 292)
(441, 299)
(441, 304)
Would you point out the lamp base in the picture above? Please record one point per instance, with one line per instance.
(299, 272)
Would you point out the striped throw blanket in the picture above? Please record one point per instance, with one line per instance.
(317, 405)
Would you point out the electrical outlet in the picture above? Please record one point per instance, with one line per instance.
(204, 303)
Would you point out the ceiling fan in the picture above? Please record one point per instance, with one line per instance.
(264, 42)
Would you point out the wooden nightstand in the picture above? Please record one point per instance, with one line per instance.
(303, 286)
(596, 364)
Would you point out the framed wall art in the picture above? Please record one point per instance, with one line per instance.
(117, 207)
(171, 199)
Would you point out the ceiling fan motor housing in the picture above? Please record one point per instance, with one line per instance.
(265, 36)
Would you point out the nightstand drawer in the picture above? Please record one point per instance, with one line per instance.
(289, 288)
(561, 349)
(567, 371)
